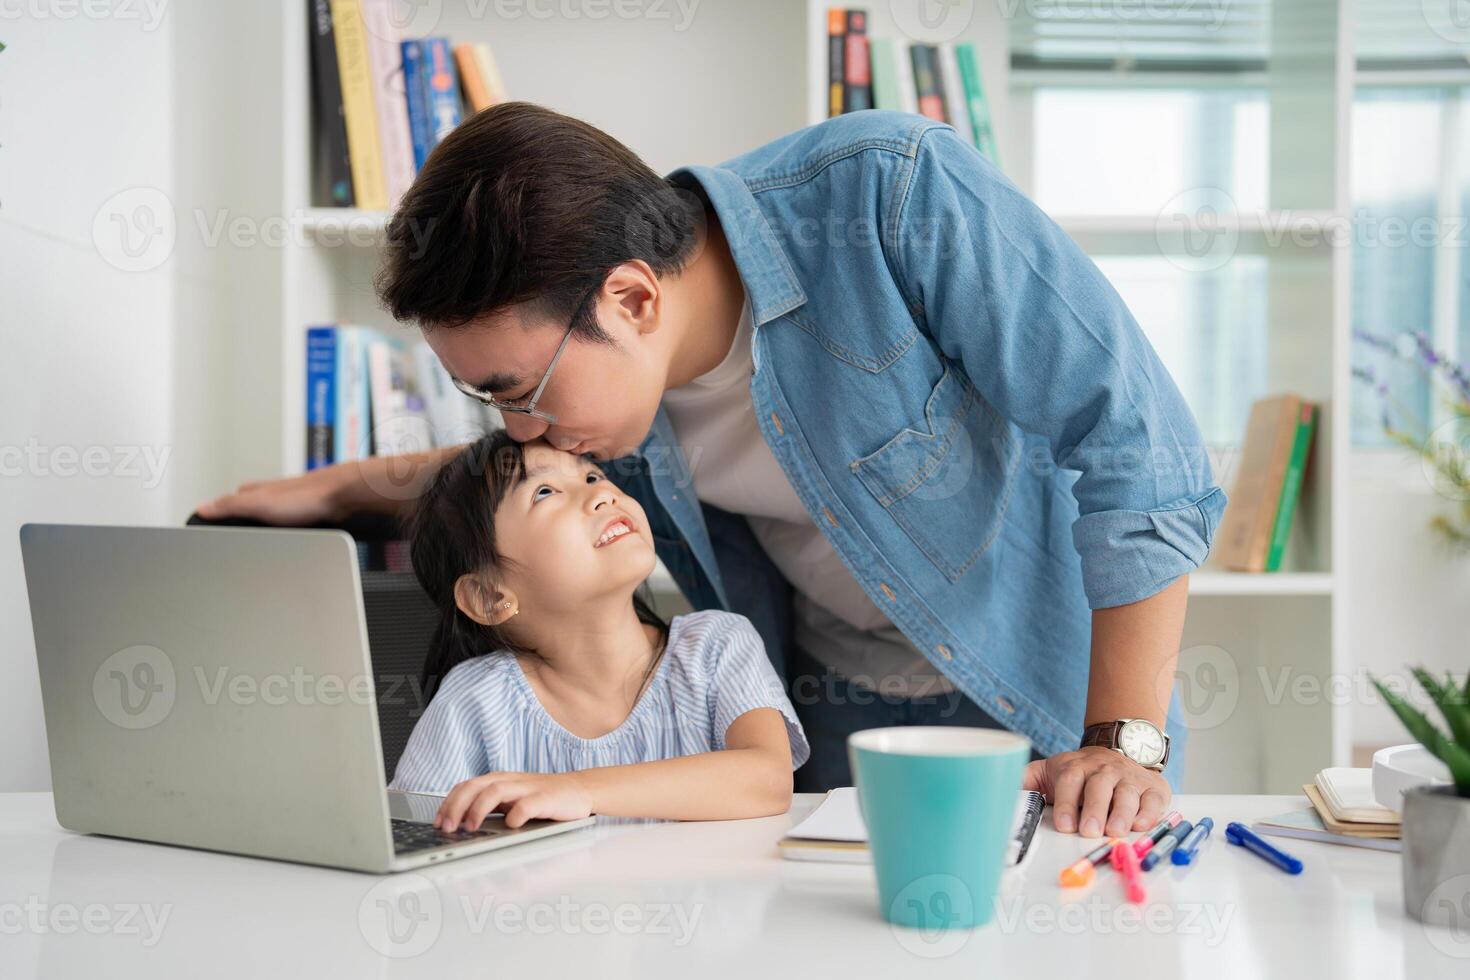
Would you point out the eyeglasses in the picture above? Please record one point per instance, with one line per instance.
(529, 408)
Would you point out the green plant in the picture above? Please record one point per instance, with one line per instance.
(1453, 702)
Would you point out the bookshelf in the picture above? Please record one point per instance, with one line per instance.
(1246, 629)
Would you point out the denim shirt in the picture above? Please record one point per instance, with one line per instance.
(962, 402)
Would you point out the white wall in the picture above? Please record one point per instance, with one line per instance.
(1411, 595)
(85, 346)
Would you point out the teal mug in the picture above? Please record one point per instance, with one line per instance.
(939, 804)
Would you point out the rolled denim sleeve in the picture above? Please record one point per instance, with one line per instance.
(1049, 343)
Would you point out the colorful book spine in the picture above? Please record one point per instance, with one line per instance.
(926, 81)
(979, 106)
(476, 92)
(954, 93)
(881, 56)
(442, 83)
(416, 95)
(490, 72)
(836, 50)
(331, 166)
(352, 437)
(355, 73)
(385, 58)
(321, 395)
(857, 90)
(908, 95)
(1291, 487)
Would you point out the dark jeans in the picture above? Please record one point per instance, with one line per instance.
(830, 708)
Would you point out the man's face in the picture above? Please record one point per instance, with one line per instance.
(604, 397)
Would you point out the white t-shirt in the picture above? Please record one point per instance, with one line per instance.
(733, 469)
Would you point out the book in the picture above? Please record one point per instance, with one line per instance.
(454, 417)
(476, 92)
(355, 74)
(1247, 529)
(1291, 484)
(835, 830)
(321, 395)
(441, 83)
(416, 98)
(1348, 796)
(398, 419)
(836, 57)
(903, 68)
(955, 109)
(490, 72)
(331, 167)
(1305, 824)
(926, 81)
(884, 70)
(385, 59)
(352, 430)
(857, 90)
(976, 105)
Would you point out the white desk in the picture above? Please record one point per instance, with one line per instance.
(692, 901)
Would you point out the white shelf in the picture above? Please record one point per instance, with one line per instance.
(1299, 224)
(345, 226)
(1262, 584)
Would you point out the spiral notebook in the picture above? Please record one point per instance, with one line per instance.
(835, 831)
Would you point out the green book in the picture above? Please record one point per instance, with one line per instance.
(975, 99)
(1291, 487)
(883, 63)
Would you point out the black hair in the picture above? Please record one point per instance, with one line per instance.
(452, 533)
(521, 204)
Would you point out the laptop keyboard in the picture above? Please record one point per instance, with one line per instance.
(409, 836)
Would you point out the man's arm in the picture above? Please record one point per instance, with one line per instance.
(377, 485)
(1050, 345)
(1134, 650)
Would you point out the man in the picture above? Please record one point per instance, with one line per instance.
(869, 396)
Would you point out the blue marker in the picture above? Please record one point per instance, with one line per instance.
(1184, 853)
(1237, 834)
(1170, 841)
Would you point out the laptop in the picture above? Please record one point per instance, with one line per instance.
(212, 688)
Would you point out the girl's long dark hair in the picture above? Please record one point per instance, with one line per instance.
(452, 533)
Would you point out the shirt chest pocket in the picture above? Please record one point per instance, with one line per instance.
(945, 479)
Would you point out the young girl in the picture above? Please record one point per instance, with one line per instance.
(562, 693)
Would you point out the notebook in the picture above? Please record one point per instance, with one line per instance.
(1306, 825)
(1348, 795)
(835, 831)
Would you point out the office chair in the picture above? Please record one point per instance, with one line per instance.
(400, 623)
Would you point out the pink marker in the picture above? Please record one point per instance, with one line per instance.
(1125, 862)
(1142, 845)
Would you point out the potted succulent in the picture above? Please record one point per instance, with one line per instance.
(1436, 819)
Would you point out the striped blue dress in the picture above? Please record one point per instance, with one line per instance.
(486, 718)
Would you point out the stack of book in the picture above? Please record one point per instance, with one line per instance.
(941, 81)
(381, 102)
(1263, 499)
(1342, 811)
(371, 394)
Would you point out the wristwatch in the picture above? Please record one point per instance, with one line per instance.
(1134, 738)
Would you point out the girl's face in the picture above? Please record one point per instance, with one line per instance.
(569, 534)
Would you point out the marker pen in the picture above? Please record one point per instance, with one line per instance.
(1080, 873)
(1171, 840)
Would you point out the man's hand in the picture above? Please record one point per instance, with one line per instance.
(1115, 794)
(521, 796)
(296, 501)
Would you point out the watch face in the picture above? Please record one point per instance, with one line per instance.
(1142, 742)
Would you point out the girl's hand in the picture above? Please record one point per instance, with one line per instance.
(521, 796)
